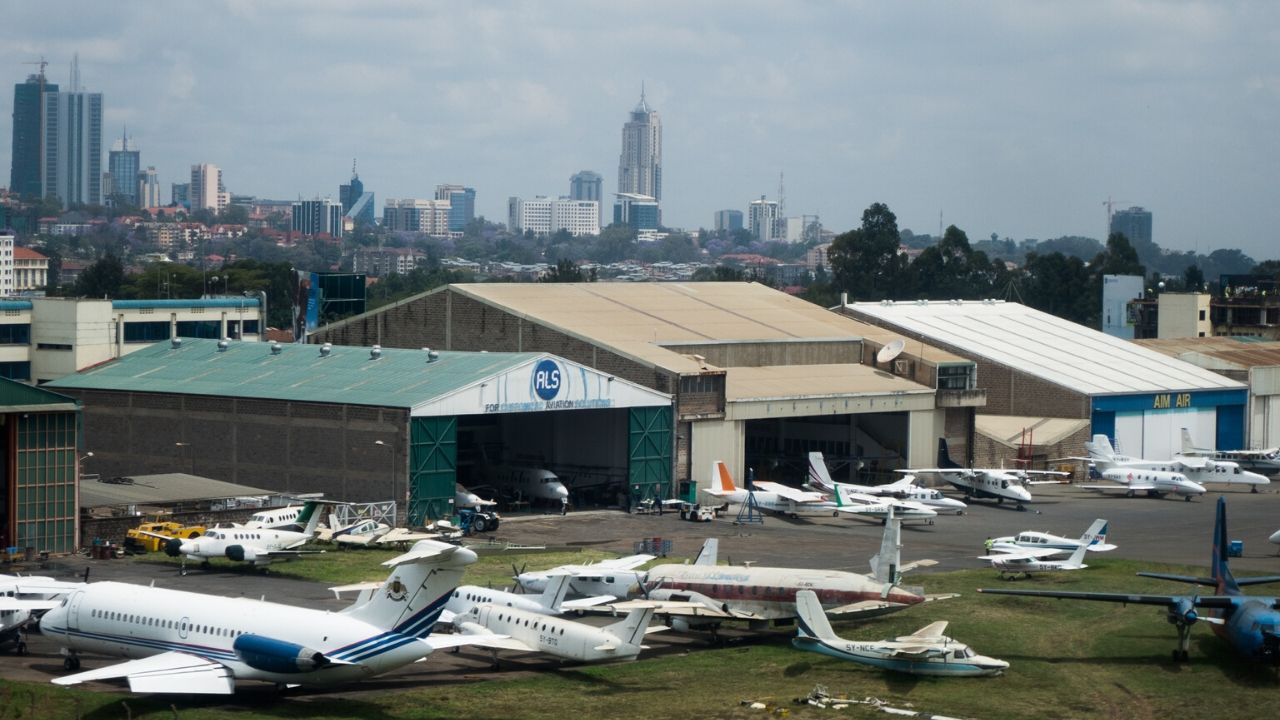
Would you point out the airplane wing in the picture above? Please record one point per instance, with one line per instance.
(1136, 485)
(1242, 582)
(1195, 463)
(583, 603)
(630, 562)
(286, 552)
(916, 651)
(1018, 553)
(908, 567)
(338, 590)
(1204, 601)
(864, 607)
(679, 608)
(12, 603)
(790, 493)
(168, 672)
(931, 631)
(482, 638)
(405, 536)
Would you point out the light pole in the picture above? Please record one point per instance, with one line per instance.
(190, 453)
(80, 464)
(391, 452)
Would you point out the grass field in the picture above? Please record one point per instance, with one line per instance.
(1068, 660)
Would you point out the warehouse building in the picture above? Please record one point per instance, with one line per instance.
(365, 424)
(759, 378)
(41, 467)
(1034, 365)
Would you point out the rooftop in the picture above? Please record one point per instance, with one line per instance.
(162, 489)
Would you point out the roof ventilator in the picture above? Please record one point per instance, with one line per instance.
(325, 349)
(223, 344)
(375, 352)
(275, 348)
(176, 343)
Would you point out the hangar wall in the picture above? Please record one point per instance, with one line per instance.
(1264, 408)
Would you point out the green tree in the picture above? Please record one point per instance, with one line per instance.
(951, 269)
(865, 262)
(566, 271)
(102, 279)
(1192, 279)
(1052, 283)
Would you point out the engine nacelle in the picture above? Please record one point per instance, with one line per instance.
(240, 553)
(173, 547)
(269, 655)
(1183, 612)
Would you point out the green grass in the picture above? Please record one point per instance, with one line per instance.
(1069, 660)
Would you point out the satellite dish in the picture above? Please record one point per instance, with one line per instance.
(891, 351)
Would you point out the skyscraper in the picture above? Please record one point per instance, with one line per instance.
(207, 191)
(728, 220)
(318, 217)
(348, 194)
(640, 164)
(124, 163)
(462, 205)
(72, 149)
(588, 185)
(1134, 224)
(28, 134)
(148, 188)
(763, 219)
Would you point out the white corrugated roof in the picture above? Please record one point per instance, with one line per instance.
(1045, 346)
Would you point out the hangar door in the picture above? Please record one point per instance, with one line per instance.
(433, 468)
(649, 453)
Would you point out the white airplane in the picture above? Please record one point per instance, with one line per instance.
(1275, 539)
(464, 498)
(925, 652)
(550, 602)
(290, 517)
(528, 482)
(1198, 469)
(1155, 483)
(774, 497)
(1026, 561)
(999, 483)
(904, 489)
(22, 597)
(190, 643)
(704, 594)
(617, 577)
(507, 628)
(257, 546)
(1035, 540)
(880, 507)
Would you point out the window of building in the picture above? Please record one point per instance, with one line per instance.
(15, 334)
(20, 370)
(53, 346)
(199, 329)
(146, 332)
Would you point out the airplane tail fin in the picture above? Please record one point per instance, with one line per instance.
(421, 581)
(1222, 576)
(1188, 447)
(813, 622)
(885, 564)
(1100, 451)
(309, 518)
(944, 455)
(707, 556)
(721, 480)
(819, 476)
(1077, 556)
(552, 596)
(630, 630)
(1099, 537)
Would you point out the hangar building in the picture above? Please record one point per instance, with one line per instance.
(1035, 365)
(759, 378)
(39, 469)
(363, 424)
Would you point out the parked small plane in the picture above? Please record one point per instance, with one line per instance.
(1001, 484)
(1198, 469)
(507, 628)
(904, 489)
(774, 497)
(880, 507)
(1155, 483)
(290, 517)
(925, 652)
(1250, 624)
(1040, 541)
(22, 597)
(185, 642)
(1025, 561)
(550, 602)
(617, 577)
(258, 546)
(1275, 538)
(464, 498)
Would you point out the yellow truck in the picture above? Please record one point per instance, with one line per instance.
(138, 539)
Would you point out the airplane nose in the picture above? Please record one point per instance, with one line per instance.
(562, 492)
(188, 548)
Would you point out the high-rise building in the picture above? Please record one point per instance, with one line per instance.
(638, 211)
(1134, 224)
(728, 220)
(6, 263)
(28, 134)
(73, 147)
(123, 164)
(207, 191)
(588, 185)
(640, 165)
(318, 217)
(543, 215)
(430, 217)
(180, 194)
(763, 219)
(148, 188)
(462, 205)
(348, 194)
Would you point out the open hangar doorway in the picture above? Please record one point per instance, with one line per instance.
(859, 448)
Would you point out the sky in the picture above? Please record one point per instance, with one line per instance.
(1015, 118)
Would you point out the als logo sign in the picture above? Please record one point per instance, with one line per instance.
(547, 377)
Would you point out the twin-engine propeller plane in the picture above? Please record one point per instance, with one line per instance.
(1057, 544)
(240, 543)
(1250, 624)
(507, 628)
(774, 497)
(905, 489)
(998, 483)
(185, 642)
(1012, 560)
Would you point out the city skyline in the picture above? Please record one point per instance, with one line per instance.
(996, 117)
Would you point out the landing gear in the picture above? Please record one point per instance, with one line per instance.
(71, 663)
(21, 648)
(1181, 654)
(1253, 488)
(1129, 494)
(1187, 498)
(1022, 508)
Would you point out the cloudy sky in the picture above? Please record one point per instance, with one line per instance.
(1015, 118)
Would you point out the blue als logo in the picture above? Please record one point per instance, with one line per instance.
(546, 379)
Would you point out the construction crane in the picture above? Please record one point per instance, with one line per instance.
(1110, 205)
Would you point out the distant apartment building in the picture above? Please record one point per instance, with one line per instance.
(543, 215)
(588, 185)
(317, 217)
(763, 219)
(180, 195)
(30, 270)
(462, 205)
(817, 257)
(430, 217)
(6, 263)
(148, 188)
(382, 262)
(207, 191)
(1134, 224)
(124, 166)
(728, 220)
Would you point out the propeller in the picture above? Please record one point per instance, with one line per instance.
(173, 547)
(515, 575)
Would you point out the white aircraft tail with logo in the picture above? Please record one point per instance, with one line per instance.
(1101, 452)
(413, 595)
(819, 476)
(1077, 556)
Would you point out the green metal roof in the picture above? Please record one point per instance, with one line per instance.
(20, 396)
(349, 375)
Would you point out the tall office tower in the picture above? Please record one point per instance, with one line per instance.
(148, 188)
(348, 194)
(318, 217)
(728, 220)
(180, 194)
(6, 263)
(73, 144)
(640, 165)
(207, 191)
(462, 205)
(123, 163)
(588, 185)
(763, 219)
(28, 134)
(1134, 223)
(430, 217)
(638, 211)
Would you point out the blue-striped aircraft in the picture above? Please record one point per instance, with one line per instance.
(1249, 623)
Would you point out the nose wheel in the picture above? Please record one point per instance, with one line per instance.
(71, 663)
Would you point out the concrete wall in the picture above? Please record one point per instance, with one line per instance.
(765, 353)
(991, 454)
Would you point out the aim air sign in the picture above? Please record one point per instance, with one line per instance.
(542, 384)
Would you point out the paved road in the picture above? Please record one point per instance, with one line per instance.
(1165, 531)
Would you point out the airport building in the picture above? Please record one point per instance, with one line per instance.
(1036, 366)
(366, 423)
(39, 449)
(759, 378)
